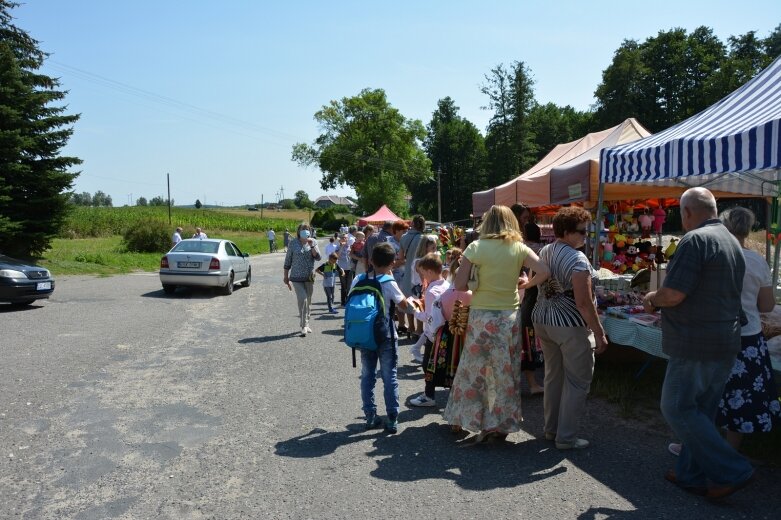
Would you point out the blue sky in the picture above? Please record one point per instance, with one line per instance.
(216, 93)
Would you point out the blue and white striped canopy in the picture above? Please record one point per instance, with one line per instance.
(733, 146)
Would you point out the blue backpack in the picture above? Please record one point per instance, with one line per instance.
(366, 323)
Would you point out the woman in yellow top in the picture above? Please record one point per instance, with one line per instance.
(486, 393)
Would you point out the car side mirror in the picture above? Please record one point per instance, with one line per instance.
(245, 255)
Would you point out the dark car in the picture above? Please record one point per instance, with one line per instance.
(21, 283)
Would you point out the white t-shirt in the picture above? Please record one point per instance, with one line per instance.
(332, 247)
(434, 290)
(757, 276)
(390, 293)
(271, 235)
(176, 238)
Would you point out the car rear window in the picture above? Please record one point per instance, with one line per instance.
(196, 246)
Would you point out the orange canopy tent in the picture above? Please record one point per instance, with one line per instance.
(382, 215)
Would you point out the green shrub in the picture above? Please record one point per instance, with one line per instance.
(147, 236)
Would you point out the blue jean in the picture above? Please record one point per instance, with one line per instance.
(690, 398)
(388, 356)
(329, 297)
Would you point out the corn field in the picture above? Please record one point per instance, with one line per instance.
(84, 222)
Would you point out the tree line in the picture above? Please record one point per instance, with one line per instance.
(367, 144)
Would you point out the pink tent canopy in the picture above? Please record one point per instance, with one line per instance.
(384, 214)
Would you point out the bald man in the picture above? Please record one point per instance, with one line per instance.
(701, 321)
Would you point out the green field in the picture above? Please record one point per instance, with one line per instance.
(91, 241)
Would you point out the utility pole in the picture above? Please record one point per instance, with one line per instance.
(168, 180)
(439, 194)
(261, 205)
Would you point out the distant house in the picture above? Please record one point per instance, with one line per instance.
(327, 201)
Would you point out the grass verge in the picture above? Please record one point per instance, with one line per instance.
(105, 256)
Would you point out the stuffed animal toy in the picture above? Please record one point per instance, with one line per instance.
(670, 251)
(620, 241)
(660, 215)
(633, 227)
(645, 221)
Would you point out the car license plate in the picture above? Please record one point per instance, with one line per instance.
(43, 286)
(188, 264)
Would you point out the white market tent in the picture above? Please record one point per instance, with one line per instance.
(734, 146)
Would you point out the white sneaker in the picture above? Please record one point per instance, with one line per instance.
(308, 329)
(417, 355)
(577, 444)
(422, 400)
(303, 332)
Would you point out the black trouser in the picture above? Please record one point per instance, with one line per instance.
(345, 282)
(430, 388)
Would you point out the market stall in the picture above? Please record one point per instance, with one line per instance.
(732, 148)
(382, 215)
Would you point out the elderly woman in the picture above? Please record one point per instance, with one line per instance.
(486, 393)
(566, 322)
(299, 269)
(750, 400)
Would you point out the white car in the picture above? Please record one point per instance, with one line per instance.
(205, 262)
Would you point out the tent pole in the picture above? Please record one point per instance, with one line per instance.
(768, 218)
(598, 225)
(775, 226)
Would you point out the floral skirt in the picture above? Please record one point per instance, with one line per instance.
(750, 402)
(486, 392)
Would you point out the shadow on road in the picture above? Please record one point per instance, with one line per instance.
(266, 339)
(10, 307)
(433, 451)
(205, 293)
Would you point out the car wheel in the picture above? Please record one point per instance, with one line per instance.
(248, 280)
(169, 289)
(227, 290)
(22, 303)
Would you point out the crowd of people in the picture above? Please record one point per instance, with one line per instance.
(489, 313)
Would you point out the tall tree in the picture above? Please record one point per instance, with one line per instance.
(457, 149)
(301, 198)
(141, 201)
(367, 144)
(510, 139)
(33, 174)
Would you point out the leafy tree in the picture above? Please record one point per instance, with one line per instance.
(456, 146)
(510, 140)
(773, 44)
(101, 199)
(287, 204)
(198, 204)
(370, 146)
(141, 201)
(158, 201)
(82, 199)
(34, 177)
(301, 200)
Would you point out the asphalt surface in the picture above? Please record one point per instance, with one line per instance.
(117, 401)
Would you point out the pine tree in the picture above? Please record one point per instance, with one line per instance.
(34, 181)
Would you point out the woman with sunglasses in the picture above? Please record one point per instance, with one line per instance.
(566, 322)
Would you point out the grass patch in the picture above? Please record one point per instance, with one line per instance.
(106, 255)
(616, 380)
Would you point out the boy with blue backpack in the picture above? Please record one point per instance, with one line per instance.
(370, 328)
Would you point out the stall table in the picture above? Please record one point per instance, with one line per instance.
(648, 339)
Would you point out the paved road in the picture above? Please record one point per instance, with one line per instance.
(120, 402)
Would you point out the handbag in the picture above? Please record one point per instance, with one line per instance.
(474, 280)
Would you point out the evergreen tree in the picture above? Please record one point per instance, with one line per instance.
(510, 139)
(34, 181)
(456, 147)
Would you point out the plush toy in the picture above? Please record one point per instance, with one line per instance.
(607, 252)
(670, 251)
(620, 240)
(632, 227)
(660, 215)
(659, 255)
(645, 223)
